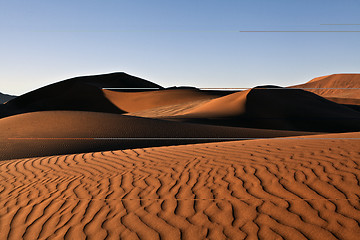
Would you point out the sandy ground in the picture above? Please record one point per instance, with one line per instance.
(304, 188)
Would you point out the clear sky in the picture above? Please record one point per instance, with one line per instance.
(177, 43)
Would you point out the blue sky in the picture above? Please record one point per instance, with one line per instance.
(177, 43)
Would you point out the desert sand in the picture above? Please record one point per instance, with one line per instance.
(266, 189)
(82, 161)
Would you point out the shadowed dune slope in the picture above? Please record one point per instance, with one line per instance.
(80, 93)
(259, 189)
(116, 80)
(327, 86)
(139, 101)
(5, 97)
(63, 96)
(278, 108)
(62, 132)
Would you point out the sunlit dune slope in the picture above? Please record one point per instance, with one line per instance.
(335, 85)
(62, 132)
(258, 189)
(139, 101)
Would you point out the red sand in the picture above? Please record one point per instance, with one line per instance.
(259, 189)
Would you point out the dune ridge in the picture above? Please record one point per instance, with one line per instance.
(277, 108)
(79, 94)
(257, 189)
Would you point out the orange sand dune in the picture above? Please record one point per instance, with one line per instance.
(168, 111)
(262, 189)
(227, 106)
(326, 85)
(139, 101)
(278, 108)
(62, 132)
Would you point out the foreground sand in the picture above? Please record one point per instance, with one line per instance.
(257, 189)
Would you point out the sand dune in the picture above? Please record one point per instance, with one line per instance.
(115, 80)
(286, 109)
(260, 189)
(327, 86)
(80, 93)
(61, 132)
(227, 106)
(168, 111)
(278, 108)
(139, 101)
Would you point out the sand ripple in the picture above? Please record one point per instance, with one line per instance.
(260, 189)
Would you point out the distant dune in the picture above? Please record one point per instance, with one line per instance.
(5, 97)
(80, 93)
(277, 108)
(335, 85)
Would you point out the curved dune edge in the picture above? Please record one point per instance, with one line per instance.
(260, 189)
(82, 93)
(140, 101)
